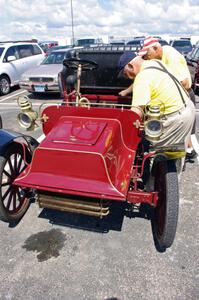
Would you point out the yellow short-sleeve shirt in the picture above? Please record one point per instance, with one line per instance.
(155, 87)
(176, 62)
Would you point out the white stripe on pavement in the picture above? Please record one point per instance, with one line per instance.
(13, 95)
(195, 145)
(15, 104)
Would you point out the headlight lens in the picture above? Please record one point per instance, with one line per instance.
(27, 119)
(56, 79)
(153, 129)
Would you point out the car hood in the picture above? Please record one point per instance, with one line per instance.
(184, 49)
(44, 70)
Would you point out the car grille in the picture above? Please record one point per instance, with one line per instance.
(41, 79)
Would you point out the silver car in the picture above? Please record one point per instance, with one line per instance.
(44, 78)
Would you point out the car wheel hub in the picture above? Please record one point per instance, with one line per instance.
(4, 85)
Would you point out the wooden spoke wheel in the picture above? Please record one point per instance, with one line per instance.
(14, 200)
(164, 222)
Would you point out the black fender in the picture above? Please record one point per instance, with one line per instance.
(8, 136)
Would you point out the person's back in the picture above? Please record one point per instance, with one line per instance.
(159, 88)
(177, 64)
(155, 85)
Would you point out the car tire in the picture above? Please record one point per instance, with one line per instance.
(14, 201)
(4, 85)
(165, 214)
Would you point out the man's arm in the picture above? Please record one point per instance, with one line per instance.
(127, 91)
(186, 84)
(138, 110)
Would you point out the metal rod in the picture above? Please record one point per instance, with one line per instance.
(72, 24)
(111, 105)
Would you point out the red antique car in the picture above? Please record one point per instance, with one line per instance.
(94, 153)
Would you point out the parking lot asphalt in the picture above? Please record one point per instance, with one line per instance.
(55, 255)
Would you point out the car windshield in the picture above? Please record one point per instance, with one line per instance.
(163, 42)
(85, 42)
(181, 44)
(54, 58)
(1, 50)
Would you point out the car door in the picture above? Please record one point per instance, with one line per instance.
(12, 68)
(196, 70)
(37, 55)
(25, 55)
(30, 55)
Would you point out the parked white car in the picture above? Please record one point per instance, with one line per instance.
(15, 59)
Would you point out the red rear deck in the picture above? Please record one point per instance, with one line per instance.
(83, 156)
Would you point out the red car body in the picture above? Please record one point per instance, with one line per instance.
(91, 152)
(94, 153)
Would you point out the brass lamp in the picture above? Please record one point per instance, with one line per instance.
(153, 124)
(27, 116)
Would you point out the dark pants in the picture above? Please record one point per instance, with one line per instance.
(193, 99)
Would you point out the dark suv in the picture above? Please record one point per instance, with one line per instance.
(193, 64)
(184, 46)
(139, 42)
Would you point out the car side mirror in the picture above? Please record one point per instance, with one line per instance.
(11, 58)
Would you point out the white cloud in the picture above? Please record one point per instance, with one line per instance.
(51, 19)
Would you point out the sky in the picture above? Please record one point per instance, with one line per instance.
(51, 19)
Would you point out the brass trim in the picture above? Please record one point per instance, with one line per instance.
(98, 209)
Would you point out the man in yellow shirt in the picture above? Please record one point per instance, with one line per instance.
(152, 49)
(154, 85)
(172, 58)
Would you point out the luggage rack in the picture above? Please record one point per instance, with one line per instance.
(19, 41)
(109, 47)
(88, 104)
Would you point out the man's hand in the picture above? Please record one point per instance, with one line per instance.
(123, 93)
(127, 91)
